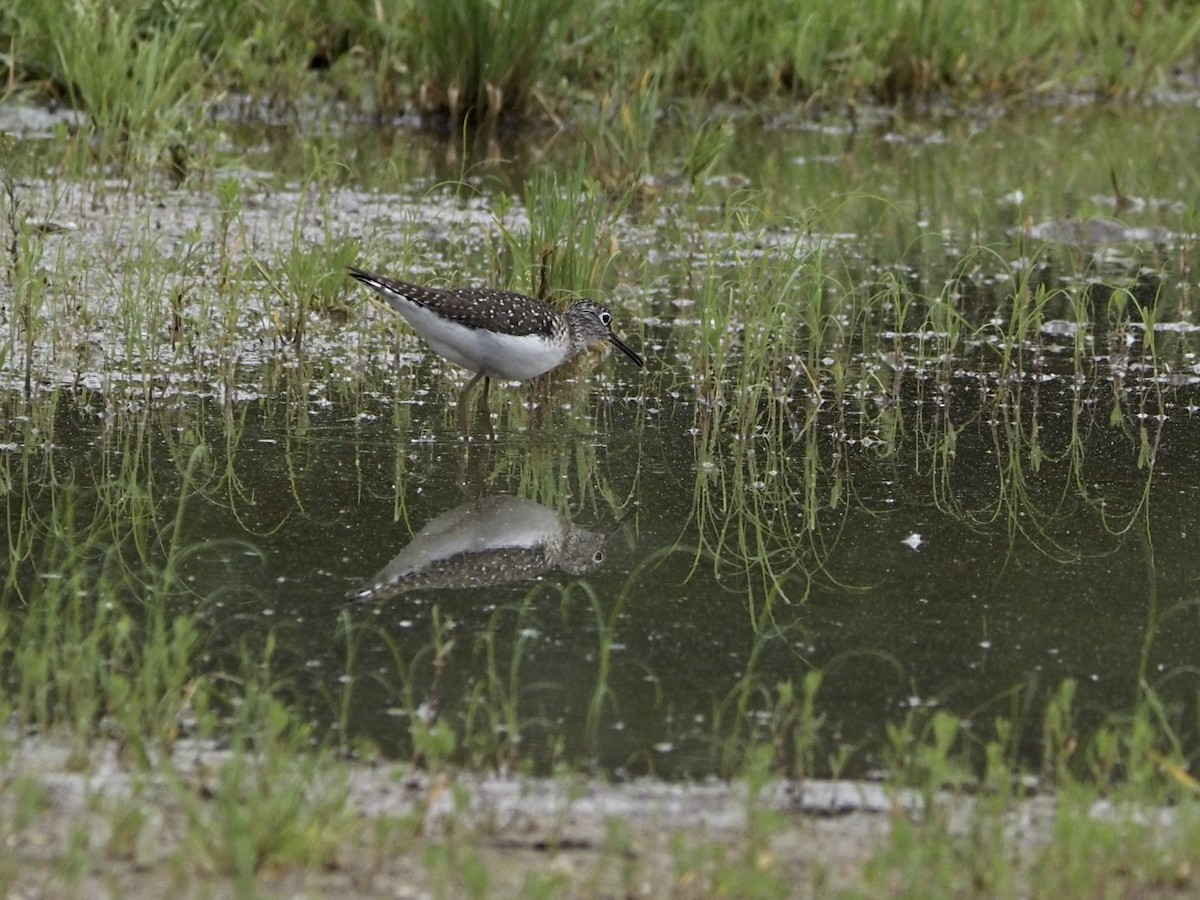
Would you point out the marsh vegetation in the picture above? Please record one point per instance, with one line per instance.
(903, 494)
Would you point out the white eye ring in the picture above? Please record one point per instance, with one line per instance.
(605, 318)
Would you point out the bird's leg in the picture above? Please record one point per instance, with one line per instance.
(487, 413)
(474, 381)
(462, 402)
(483, 401)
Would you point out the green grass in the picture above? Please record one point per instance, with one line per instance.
(89, 639)
(143, 71)
(138, 79)
(271, 811)
(792, 378)
(479, 59)
(783, 324)
(566, 242)
(894, 51)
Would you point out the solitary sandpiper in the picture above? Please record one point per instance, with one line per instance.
(497, 334)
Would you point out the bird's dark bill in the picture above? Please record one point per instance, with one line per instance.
(628, 352)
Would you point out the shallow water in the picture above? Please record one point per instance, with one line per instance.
(935, 510)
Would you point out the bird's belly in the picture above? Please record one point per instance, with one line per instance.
(497, 355)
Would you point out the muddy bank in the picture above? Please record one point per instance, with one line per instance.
(89, 823)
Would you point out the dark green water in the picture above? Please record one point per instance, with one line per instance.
(959, 530)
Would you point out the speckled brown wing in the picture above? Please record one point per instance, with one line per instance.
(505, 312)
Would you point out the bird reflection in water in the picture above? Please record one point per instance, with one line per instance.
(499, 539)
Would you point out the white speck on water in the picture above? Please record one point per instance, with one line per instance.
(913, 540)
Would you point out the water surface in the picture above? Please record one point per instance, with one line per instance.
(961, 474)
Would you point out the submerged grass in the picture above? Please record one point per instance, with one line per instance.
(91, 642)
(799, 372)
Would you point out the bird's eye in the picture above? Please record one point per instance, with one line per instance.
(605, 318)
(598, 557)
